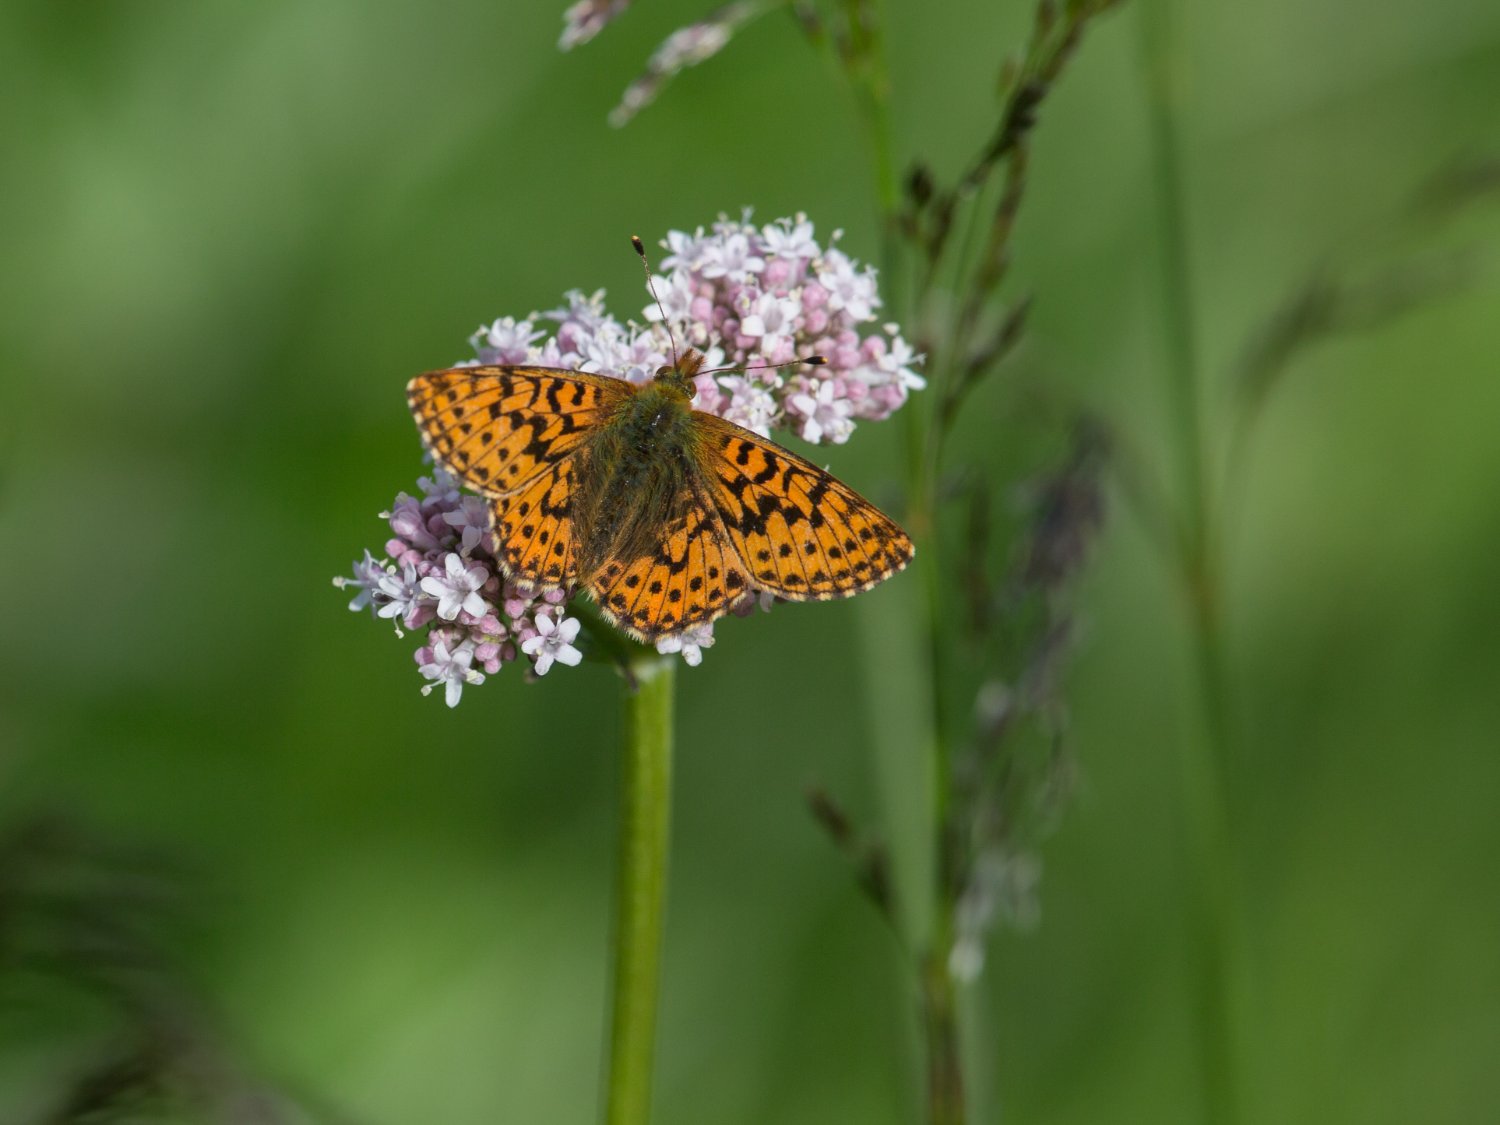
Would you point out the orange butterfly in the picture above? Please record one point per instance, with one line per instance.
(666, 515)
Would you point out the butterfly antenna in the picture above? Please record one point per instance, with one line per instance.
(810, 360)
(640, 248)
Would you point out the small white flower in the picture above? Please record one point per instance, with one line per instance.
(459, 589)
(507, 340)
(472, 520)
(897, 363)
(849, 290)
(586, 310)
(552, 642)
(772, 319)
(751, 403)
(675, 292)
(400, 595)
(367, 575)
(606, 349)
(690, 642)
(640, 353)
(441, 486)
(682, 249)
(452, 669)
(788, 240)
(730, 257)
(824, 414)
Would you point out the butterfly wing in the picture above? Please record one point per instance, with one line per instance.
(800, 532)
(510, 433)
(532, 530)
(690, 577)
(494, 428)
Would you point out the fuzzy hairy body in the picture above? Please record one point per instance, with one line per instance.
(633, 475)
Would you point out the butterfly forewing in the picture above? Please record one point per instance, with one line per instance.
(496, 427)
(801, 533)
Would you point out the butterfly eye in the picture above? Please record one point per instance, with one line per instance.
(662, 371)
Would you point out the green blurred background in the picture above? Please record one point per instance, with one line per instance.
(231, 233)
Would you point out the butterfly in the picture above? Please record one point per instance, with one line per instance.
(667, 516)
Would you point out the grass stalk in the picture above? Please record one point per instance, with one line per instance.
(1213, 926)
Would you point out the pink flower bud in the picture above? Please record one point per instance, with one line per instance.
(778, 272)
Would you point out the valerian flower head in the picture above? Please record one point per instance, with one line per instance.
(744, 294)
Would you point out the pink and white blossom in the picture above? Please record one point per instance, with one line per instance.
(552, 642)
(747, 296)
(690, 643)
(451, 668)
(826, 416)
(457, 589)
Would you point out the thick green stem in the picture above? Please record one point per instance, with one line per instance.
(640, 891)
(1214, 926)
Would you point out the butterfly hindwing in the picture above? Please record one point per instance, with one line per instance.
(532, 529)
(800, 532)
(690, 578)
(494, 428)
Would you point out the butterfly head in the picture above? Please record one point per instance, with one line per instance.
(679, 375)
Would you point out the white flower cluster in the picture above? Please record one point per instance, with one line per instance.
(749, 297)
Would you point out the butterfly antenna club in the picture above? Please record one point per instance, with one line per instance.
(640, 249)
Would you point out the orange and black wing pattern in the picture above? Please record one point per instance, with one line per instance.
(494, 428)
(799, 531)
(692, 576)
(509, 433)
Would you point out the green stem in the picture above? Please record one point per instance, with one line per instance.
(640, 891)
(1214, 920)
(945, 1084)
(939, 1001)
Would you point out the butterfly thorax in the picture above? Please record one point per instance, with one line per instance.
(632, 471)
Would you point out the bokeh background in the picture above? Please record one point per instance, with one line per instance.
(231, 233)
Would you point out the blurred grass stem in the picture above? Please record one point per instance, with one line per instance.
(938, 991)
(640, 890)
(1213, 924)
(870, 77)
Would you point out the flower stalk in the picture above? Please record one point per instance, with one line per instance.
(640, 889)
